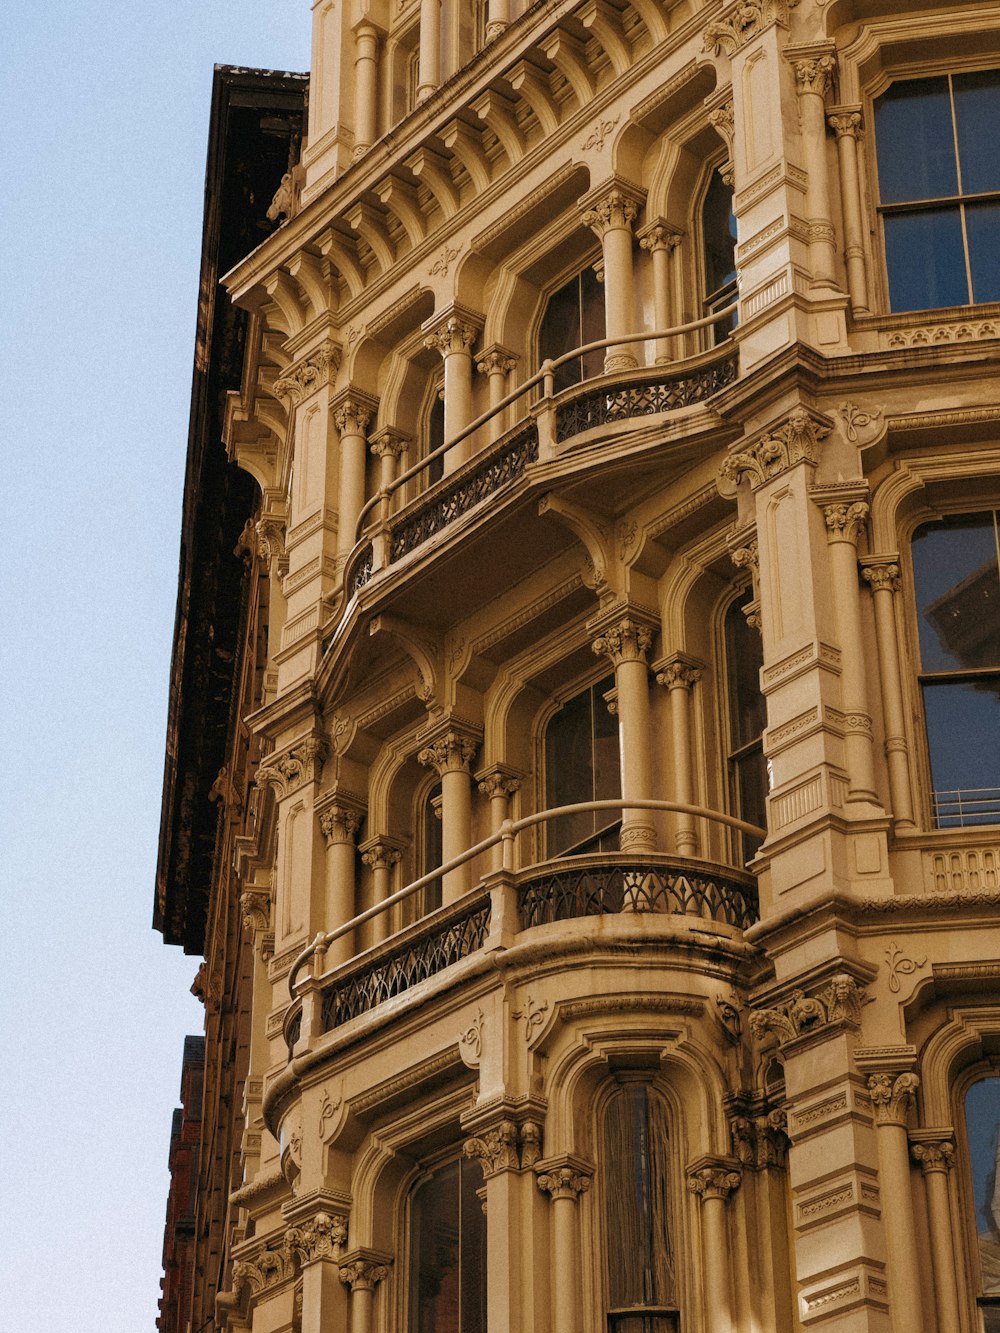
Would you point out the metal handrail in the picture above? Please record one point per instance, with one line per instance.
(545, 373)
(506, 834)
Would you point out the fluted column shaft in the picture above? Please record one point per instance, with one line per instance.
(625, 643)
(813, 75)
(339, 824)
(564, 1185)
(846, 125)
(451, 755)
(844, 523)
(882, 576)
(366, 85)
(936, 1158)
(713, 1185)
(429, 75)
(611, 220)
(351, 417)
(679, 676)
(891, 1097)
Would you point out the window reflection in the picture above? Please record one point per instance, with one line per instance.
(956, 570)
(982, 1127)
(574, 315)
(582, 763)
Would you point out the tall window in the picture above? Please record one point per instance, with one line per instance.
(573, 316)
(938, 156)
(982, 1132)
(747, 719)
(448, 1252)
(636, 1180)
(582, 763)
(431, 847)
(435, 438)
(718, 234)
(956, 573)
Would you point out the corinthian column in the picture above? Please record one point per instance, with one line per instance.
(882, 576)
(339, 824)
(845, 122)
(351, 414)
(362, 1271)
(814, 69)
(661, 242)
(450, 755)
(453, 338)
(497, 363)
(680, 674)
(626, 642)
(713, 1182)
(936, 1153)
(610, 217)
(498, 785)
(892, 1096)
(564, 1184)
(844, 524)
(381, 855)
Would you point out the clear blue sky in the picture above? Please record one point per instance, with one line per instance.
(105, 124)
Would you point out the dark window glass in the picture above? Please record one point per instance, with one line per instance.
(956, 574)
(982, 1131)
(718, 226)
(747, 720)
(582, 763)
(448, 1252)
(936, 141)
(636, 1179)
(433, 847)
(574, 315)
(435, 438)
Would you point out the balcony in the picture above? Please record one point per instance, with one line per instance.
(507, 905)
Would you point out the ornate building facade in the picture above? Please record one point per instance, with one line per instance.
(582, 777)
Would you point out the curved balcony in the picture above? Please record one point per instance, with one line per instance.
(562, 890)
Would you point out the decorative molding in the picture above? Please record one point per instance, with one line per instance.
(322, 1238)
(444, 261)
(533, 1014)
(293, 768)
(892, 1096)
(933, 335)
(742, 22)
(595, 139)
(314, 371)
(470, 1041)
(774, 452)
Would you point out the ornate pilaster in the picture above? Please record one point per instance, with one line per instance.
(339, 820)
(678, 674)
(881, 573)
(453, 336)
(363, 1274)
(270, 535)
(797, 440)
(625, 641)
(846, 123)
(564, 1182)
(660, 242)
(845, 522)
(351, 410)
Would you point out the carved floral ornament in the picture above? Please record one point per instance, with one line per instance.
(363, 1274)
(774, 452)
(301, 763)
(564, 1182)
(270, 534)
(339, 823)
(845, 521)
(311, 373)
(507, 1147)
(892, 1096)
(934, 1155)
(713, 1182)
(449, 752)
(255, 907)
(322, 1238)
(615, 211)
(839, 1002)
(625, 641)
(741, 22)
(814, 74)
(760, 1141)
(882, 577)
(454, 335)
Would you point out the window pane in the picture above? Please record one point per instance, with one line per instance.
(958, 592)
(963, 737)
(744, 659)
(982, 1123)
(982, 224)
(582, 763)
(434, 1302)
(591, 320)
(473, 1258)
(636, 1186)
(719, 235)
(926, 259)
(977, 115)
(560, 332)
(914, 143)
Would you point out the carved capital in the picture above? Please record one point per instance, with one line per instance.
(564, 1182)
(658, 236)
(746, 557)
(270, 534)
(312, 372)
(322, 1238)
(678, 673)
(881, 577)
(497, 782)
(268, 1267)
(363, 1274)
(814, 74)
(840, 1001)
(845, 522)
(713, 1180)
(381, 853)
(892, 1096)
(495, 1149)
(389, 442)
(845, 122)
(339, 823)
(255, 907)
(453, 335)
(614, 211)
(722, 118)
(449, 753)
(294, 767)
(495, 361)
(796, 440)
(351, 412)
(625, 641)
(744, 21)
(934, 1155)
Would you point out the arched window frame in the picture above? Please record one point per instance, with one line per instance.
(965, 1191)
(542, 767)
(742, 847)
(727, 293)
(469, 1173)
(552, 289)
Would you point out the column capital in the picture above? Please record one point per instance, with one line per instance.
(495, 1149)
(780, 447)
(623, 637)
(339, 820)
(613, 205)
(934, 1150)
(845, 121)
(321, 1238)
(892, 1096)
(352, 410)
(381, 852)
(255, 909)
(845, 519)
(814, 66)
(722, 116)
(741, 22)
(389, 441)
(495, 360)
(451, 751)
(713, 1177)
(453, 330)
(564, 1177)
(881, 573)
(498, 781)
(678, 671)
(293, 767)
(314, 370)
(362, 1269)
(659, 235)
(269, 532)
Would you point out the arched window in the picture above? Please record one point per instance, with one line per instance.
(448, 1251)
(635, 1177)
(747, 719)
(574, 315)
(982, 1134)
(582, 763)
(718, 237)
(431, 848)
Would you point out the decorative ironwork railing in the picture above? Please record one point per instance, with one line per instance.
(293, 1032)
(362, 570)
(642, 397)
(420, 955)
(595, 890)
(496, 469)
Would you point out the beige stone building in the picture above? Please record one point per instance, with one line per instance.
(583, 779)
